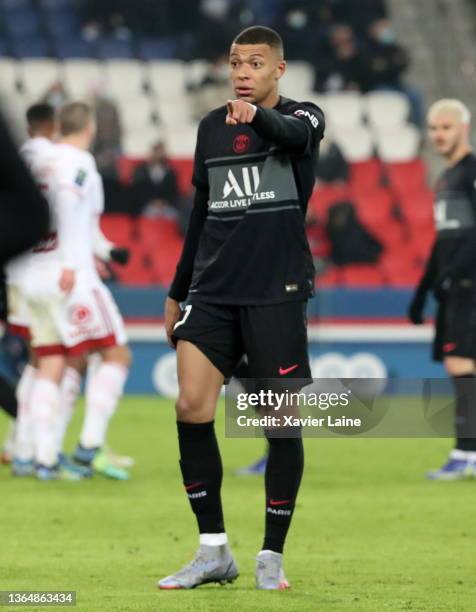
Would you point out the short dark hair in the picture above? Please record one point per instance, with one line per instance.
(37, 115)
(260, 35)
(74, 117)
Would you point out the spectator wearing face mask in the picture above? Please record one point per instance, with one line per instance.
(388, 62)
(297, 26)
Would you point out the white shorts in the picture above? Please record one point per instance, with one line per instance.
(86, 320)
(18, 314)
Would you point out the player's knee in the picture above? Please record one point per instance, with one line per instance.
(188, 408)
(118, 354)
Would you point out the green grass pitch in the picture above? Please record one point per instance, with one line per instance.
(369, 532)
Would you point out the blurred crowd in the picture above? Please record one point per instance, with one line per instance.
(350, 43)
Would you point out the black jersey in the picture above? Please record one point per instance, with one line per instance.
(455, 220)
(257, 179)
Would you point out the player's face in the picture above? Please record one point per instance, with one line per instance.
(446, 132)
(255, 71)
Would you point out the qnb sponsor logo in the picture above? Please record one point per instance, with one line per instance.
(312, 118)
(249, 175)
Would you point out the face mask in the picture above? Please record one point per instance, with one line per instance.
(297, 20)
(386, 36)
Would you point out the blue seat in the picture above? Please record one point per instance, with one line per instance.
(21, 23)
(74, 48)
(157, 48)
(111, 48)
(62, 25)
(57, 5)
(15, 5)
(36, 46)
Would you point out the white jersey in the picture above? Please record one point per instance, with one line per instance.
(78, 199)
(37, 154)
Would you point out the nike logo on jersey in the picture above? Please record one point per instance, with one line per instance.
(284, 371)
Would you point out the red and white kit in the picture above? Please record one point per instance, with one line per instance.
(87, 319)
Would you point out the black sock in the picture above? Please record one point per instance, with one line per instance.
(465, 412)
(8, 400)
(282, 479)
(202, 473)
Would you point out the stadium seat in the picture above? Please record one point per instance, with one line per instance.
(355, 142)
(112, 48)
(407, 177)
(62, 25)
(400, 268)
(332, 277)
(298, 80)
(137, 272)
(386, 108)
(398, 143)
(374, 207)
(324, 196)
(184, 170)
(118, 229)
(37, 75)
(21, 24)
(344, 109)
(417, 206)
(33, 47)
(82, 76)
(175, 112)
(157, 48)
(56, 5)
(365, 175)
(137, 143)
(125, 168)
(169, 77)
(368, 275)
(74, 49)
(153, 233)
(124, 78)
(135, 112)
(8, 75)
(181, 140)
(15, 5)
(164, 261)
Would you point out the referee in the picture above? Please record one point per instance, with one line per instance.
(246, 273)
(451, 273)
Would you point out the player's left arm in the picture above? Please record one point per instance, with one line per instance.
(300, 131)
(107, 251)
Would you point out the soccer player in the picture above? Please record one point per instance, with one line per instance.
(451, 274)
(247, 272)
(71, 311)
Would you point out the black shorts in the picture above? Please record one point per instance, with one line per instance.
(273, 337)
(456, 324)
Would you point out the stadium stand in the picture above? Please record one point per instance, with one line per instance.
(148, 76)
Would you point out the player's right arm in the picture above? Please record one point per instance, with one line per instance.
(183, 276)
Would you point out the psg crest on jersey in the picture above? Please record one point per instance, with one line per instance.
(241, 143)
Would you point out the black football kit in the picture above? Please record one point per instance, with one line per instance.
(246, 270)
(451, 269)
